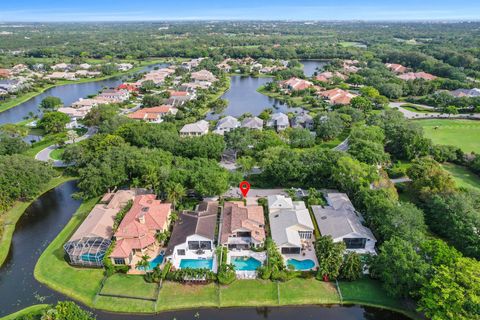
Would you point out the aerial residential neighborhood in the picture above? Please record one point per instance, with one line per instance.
(246, 161)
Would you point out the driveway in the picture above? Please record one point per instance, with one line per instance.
(44, 155)
(430, 115)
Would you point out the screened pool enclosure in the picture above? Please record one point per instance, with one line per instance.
(87, 251)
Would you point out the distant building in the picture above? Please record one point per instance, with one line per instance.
(340, 221)
(5, 73)
(337, 96)
(279, 121)
(203, 76)
(327, 76)
(198, 128)
(397, 68)
(226, 124)
(303, 120)
(154, 114)
(296, 84)
(254, 123)
(417, 75)
(114, 95)
(470, 93)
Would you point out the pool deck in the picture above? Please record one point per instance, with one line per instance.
(307, 253)
(137, 257)
(247, 274)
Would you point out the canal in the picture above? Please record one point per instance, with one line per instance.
(47, 216)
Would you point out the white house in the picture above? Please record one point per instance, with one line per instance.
(279, 121)
(193, 236)
(290, 224)
(340, 221)
(198, 128)
(253, 123)
(226, 124)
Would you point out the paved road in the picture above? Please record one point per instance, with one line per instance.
(44, 155)
(342, 146)
(401, 180)
(430, 115)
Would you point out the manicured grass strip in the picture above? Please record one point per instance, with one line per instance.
(9, 219)
(461, 133)
(57, 154)
(185, 296)
(129, 285)
(81, 284)
(124, 305)
(308, 291)
(249, 293)
(463, 177)
(35, 310)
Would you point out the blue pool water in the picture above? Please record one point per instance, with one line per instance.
(153, 263)
(196, 263)
(306, 264)
(245, 263)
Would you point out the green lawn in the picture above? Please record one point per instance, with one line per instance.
(129, 285)
(463, 177)
(415, 108)
(83, 284)
(249, 293)
(179, 296)
(57, 153)
(9, 219)
(461, 133)
(311, 291)
(34, 310)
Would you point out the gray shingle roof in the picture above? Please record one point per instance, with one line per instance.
(339, 218)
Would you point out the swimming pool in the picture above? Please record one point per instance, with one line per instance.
(245, 263)
(196, 263)
(153, 263)
(301, 265)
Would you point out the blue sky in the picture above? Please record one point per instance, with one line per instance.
(128, 10)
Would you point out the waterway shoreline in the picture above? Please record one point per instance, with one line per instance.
(11, 216)
(30, 95)
(83, 284)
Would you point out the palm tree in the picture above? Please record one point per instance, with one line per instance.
(175, 193)
(72, 135)
(162, 236)
(151, 179)
(143, 263)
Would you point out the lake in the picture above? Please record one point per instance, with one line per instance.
(68, 93)
(243, 97)
(311, 66)
(47, 216)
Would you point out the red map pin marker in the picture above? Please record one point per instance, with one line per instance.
(244, 187)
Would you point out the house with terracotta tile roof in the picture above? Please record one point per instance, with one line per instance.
(337, 96)
(192, 242)
(417, 75)
(395, 67)
(296, 84)
(135, 235)
(131, 87)
(114, 95)
(203, 76)
(327, 76)
(242, 226)
(154, 114)
(5, 73)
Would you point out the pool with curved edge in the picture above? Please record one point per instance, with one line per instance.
(301, 265)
